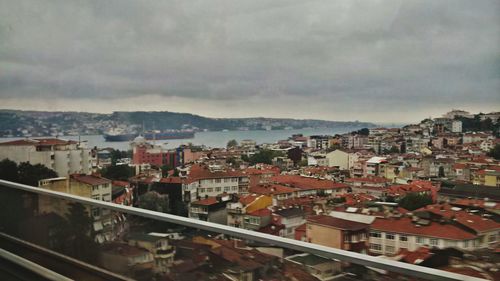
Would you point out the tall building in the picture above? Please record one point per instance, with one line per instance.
(63, 156)
(144, 152)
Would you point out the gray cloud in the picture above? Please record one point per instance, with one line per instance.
(330, 60)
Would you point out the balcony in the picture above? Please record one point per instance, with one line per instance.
(200, 248)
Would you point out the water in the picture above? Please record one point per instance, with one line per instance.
(211, 139)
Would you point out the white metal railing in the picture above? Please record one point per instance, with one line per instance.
(327, 252)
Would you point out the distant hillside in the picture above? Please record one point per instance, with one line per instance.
(43, 123)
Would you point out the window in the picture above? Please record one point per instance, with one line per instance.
(210, 189)
(375, 234)
(202, 190)
(218, 189)
(434, 242)
(96, 197)
(217, 180)
(96, 212)
(492, 238)
(227, 180)
(226, 188)
(235, 188)
(389, 236)
(390, 249)
(375, 247)
(466, 244)
(403, 238)
(420, 240)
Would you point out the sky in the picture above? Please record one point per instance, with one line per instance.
(369, 60)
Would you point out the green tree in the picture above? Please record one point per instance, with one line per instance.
(232, 143)
(118, 172)
(413, 201)
(119, 154)
(154, 201)
(8, 170)
(264, 156)
(495, 152)
(31, 174)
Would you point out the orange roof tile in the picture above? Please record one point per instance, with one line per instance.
(406, 226)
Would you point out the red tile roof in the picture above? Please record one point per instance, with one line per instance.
(271, 189)
(121, 183)
(198, 172)
(206, 202)
(406, 226)
(89, 179)
(306, 183)
(368, 180)
(36, 142)
(337, 223)
(415, 257)
(171, 180)
(470, 220)
(247, 199)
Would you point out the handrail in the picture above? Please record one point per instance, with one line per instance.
(33, 267)
(327, 252)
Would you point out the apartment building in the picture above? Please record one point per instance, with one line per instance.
(89, 186)
(212, 180)
(63, 156)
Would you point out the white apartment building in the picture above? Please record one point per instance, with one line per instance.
(208, 181)
(63, 156)
(456, 126)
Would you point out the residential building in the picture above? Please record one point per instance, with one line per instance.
(212, 180)
(127, 260)
(158, 245)
(88, 186)
(290, 218)
(337, 233)
(211, 209)
(248, 204)
(63, 156)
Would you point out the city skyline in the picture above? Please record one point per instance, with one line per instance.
(332, 61)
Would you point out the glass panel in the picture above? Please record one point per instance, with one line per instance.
(85, 242)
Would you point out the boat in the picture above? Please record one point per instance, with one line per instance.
(117, 134)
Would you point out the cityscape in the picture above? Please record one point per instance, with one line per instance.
(424, 194)
(233, 140)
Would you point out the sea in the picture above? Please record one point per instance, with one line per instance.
(211, 139)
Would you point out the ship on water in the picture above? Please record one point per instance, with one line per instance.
(122, 135)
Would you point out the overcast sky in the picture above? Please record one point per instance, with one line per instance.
(380, 61)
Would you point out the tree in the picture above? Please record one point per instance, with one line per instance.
(413, 201)
(119, 154)
(495, 152)
(24, 173)
(232, 143)
(363, 132)
(8, 170)
(118, 172)
(32, 174)
(154, 201)
(264, 156)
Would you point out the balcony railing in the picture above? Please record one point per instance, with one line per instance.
(399, 268)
